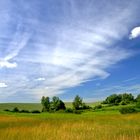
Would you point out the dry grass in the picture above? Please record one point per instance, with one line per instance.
(89, 127)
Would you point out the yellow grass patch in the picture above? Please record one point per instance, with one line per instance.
(27, 128)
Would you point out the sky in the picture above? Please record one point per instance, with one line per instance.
(68, 47)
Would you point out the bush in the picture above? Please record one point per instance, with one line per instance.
(24, 111)
(6, 110)
(138, 98)
(123, 103)
(77, 111)
(126, 110)
(15, 109)
(84, 106)
(35, 111)
(104, 102)
(138, 104)
(69, 110)
(97, 107)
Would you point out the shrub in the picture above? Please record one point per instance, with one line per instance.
(138, 104)
(138, 98)
(97, 107)
(104, 102)
(69, 110)
(24, 111)
(35, 111)
(15, 109)
(123, 103)
(126, 110)
(84, 106)
(6, 110)
(77, 111)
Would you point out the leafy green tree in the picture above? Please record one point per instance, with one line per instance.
(57, 104)
(119, 99)
(138, 98)
(127, 97)
(45, 101)
(113, 99)
(15, 109)
(77, 103)
(62, 105)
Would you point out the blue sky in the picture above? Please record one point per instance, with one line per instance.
(68, 47)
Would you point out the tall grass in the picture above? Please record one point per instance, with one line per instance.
(88, 126)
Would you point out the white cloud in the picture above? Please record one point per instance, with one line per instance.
(7, 64)
(135, 33)
(67, 50)
(40, 79)
(3, 85)
(19, 41)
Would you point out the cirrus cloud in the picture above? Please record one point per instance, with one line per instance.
(72, 44)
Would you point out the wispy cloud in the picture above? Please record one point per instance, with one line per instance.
(19, 41)
(72, 44)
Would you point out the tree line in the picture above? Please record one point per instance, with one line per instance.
(121, 99)
(55, 104)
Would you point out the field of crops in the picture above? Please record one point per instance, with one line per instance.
(99, 125)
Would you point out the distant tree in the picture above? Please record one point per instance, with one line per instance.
(113, 99)
(62, 105)
(138, 98)
(57, 104)
(77, 103)
(119, 99)
(15, 109)
(54, 105)
(127, 97)
(45, 101)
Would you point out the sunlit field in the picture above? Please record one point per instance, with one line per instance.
(100, 125)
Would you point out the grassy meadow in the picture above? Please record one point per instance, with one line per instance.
(106, 124)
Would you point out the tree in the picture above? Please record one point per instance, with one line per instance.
(138, 98)
(15, 109)
(61, 105)
(77, 103)
(119, 99)
(127, 97)
(57, 104)
(54, 105)
(45, 101)
(113, 99)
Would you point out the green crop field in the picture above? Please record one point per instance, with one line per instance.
(106, 124)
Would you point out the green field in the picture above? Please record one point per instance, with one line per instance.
(107, 124)
(33, 106)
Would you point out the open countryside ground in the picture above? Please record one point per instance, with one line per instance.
(99, 125)
(34, 106)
